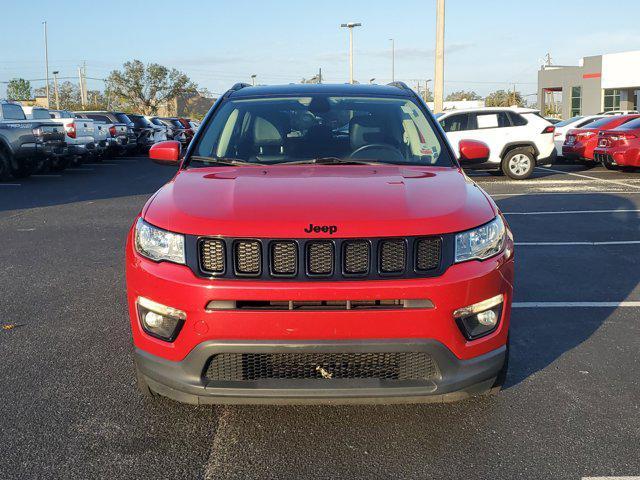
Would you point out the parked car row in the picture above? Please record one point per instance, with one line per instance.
(589, 138)
(36, 139)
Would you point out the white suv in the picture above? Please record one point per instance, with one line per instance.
(519, 138)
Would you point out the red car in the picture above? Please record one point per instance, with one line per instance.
(319, 244)
(580, 143)
(620, 146)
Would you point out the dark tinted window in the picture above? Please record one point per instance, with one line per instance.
(123, 118)
(517, 120)
(11, 111)
(587, 122)
(40, 114)
(100, 118)
(455, 123)
(630, 125)
(603, 122)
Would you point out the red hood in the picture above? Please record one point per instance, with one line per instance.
(281, 201)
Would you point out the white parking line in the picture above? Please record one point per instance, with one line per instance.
(590, 177)
(101, 164)
(589, 244)
(572, 212)
(625, 304)
(79, 169)
(45, 175)
(10, 184)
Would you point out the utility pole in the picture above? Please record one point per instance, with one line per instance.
(81, 88)
(350, 26)
(319, 75)
(46, 61)
(55, 89)
(253, 80)
(393, 60)
(438, 84)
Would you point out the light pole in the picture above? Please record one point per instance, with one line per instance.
(393, 59)
(372, 80)
(253, 80)
(350, 26)
(46, 61)
(55, 88)
(438, 84)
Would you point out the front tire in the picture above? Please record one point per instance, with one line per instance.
(608, 164)
(518, 163)
(22, 169)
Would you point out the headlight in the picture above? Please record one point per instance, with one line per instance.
(482, 242)
(158, 244)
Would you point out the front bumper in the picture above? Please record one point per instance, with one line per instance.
(184, 381)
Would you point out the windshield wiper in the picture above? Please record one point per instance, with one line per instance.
(332, 161)
(220, 161)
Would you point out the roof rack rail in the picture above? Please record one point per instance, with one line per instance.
(235, 88)
(401, 85)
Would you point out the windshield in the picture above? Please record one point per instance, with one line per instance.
(289, 129)
(40, 114)
(123, 118)
(630, 125)
(603, 122)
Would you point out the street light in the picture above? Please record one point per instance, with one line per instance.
(55, 88)
(393, 59)
(350, 26)
(372, 80)
(253, 79)
(46, 61)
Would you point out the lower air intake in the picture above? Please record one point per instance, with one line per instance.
(309, 366)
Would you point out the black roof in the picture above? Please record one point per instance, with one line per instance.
(324, 88)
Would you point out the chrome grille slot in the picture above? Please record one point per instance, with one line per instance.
(284, 258)
(212, 256)
(248, 257)
(428, 253)
(320, 258)
(356, 258)
(393, 254)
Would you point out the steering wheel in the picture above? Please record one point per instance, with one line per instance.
(378, 146)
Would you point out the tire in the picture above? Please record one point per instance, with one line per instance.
(502, 375)
(518, 163)
(22, 169)
(5, 165)
(606, 163)
(58, 164)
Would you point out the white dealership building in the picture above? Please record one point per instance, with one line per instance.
(597, 84)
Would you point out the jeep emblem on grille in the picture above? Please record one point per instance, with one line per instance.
(330, 229)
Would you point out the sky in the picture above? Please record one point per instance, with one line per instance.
(489, 44)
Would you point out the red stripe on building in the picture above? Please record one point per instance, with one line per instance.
(592, 75)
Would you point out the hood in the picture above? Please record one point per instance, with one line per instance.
(284, 201)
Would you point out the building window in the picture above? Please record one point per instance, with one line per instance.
(611, 99)
(576, 101)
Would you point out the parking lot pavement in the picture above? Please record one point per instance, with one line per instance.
(69, 406)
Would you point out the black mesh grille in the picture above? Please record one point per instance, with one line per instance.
(320, 258)
(212, 256)
(428, 253)
(248, 257)
(393, 255)
(307, 366)
(284, 258)
(356, 258)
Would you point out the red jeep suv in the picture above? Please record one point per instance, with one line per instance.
(319, 244)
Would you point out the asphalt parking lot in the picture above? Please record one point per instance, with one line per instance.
(69, 407)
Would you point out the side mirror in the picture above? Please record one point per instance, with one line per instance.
(473, 151)
(165, 153)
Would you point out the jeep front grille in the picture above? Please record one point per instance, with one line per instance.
(399, 366)
(330, 259)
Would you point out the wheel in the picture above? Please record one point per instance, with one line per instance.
(143, 386)
(22, 168)
(608, 164)
(59, 163)
(502, 374)
(518, 163)
(5, 165)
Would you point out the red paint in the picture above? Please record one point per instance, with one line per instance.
(592, 75)
(587, 138)
(167, 152)
(473, 150)
(622, 145)
(280, 201)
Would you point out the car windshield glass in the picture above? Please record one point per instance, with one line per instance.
(293, 129)
(603, 122)
(11, 111)
(40, 114)
(631, 125)
(569, 121)
(123, 118)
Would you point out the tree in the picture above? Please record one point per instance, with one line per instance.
(19, 89)
(145, 88)
(503, 98)
(462, 95)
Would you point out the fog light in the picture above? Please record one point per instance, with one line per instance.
(479, 319)
(159, 320)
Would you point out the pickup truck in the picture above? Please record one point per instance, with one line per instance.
(124, 140)
(80, 133)
(26, 144)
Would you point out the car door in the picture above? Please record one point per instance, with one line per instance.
(493, 128)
